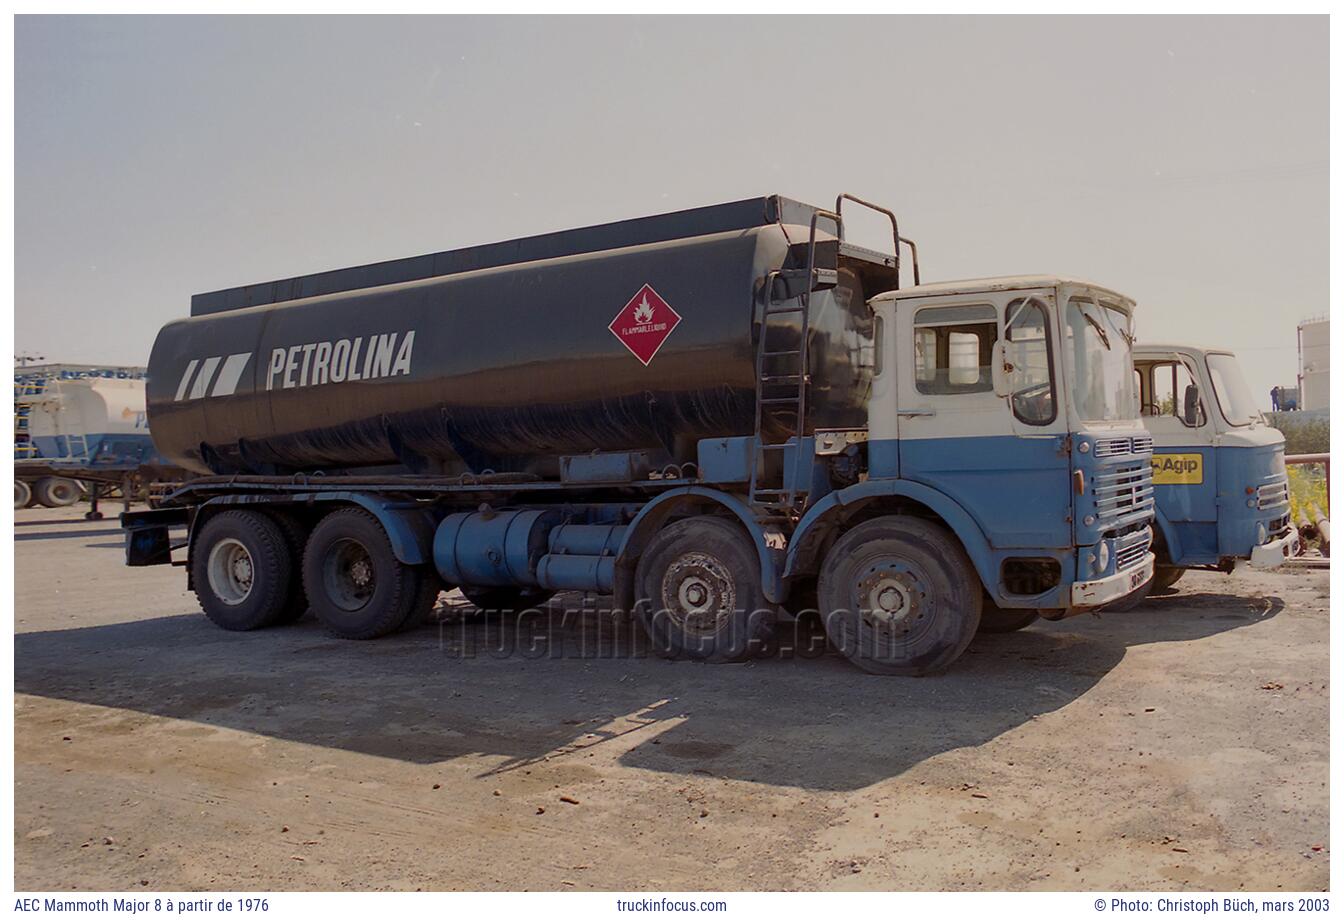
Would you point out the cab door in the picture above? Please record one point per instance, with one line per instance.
(1184, 459)
(1002, 459)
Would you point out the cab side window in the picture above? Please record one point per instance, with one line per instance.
(953, 348)
(1173, 394)
(1028, 337)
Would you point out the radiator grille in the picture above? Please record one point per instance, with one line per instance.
(1124, 491)
(1272, 494)
(1110, 447)
(1131, 556)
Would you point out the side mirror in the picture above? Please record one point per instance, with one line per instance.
(1191, 406)
(1000, 369)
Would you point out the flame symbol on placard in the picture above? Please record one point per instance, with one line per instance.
(644, 312)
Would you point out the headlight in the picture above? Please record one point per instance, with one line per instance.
(1103, 556)
(1261, 534)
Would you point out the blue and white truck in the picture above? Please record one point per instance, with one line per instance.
(712, 415)
(1218, 467)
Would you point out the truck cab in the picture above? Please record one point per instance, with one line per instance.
(1014, 399)
(1218, 468)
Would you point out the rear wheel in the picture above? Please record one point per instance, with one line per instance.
(23, 494)
(57, 492)
(241, 570)
(699, 593)
(354, 582)
(899, 596)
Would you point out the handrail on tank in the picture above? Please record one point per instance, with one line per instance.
(897, 239)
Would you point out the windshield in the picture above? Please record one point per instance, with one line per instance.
(1100, 366)
(1232, 391)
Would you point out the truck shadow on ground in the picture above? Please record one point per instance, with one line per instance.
(452, 689)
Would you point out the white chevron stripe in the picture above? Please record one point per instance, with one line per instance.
(230, 373)
(203, 379)
(186, 379)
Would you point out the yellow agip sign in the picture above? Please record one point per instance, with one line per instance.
(1178, 469)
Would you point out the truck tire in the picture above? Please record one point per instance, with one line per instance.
(23, 494)
(296, 538)
(57, 491)
(505, 600)
(354, 582)
(241, 569)
(698, 593)
(900, 596)
(996, 619)
(1164, 577)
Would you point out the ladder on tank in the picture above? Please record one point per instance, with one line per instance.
(48, 393)
(783, 499)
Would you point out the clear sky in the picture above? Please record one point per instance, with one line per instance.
(1183, 161)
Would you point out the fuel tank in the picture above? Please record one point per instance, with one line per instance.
(507, 367)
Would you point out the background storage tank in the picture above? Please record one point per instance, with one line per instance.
(631, 335)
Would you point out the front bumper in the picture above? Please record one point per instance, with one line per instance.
(1112, 587)
(1276, 552)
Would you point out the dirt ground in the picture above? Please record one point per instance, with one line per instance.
(1180, 746)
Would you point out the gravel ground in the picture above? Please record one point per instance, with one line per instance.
(1180, 746)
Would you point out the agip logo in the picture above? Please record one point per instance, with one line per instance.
(1178, 469)
(644, 324)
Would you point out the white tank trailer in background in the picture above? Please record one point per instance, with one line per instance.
(78, 435)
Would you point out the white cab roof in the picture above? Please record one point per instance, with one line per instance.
(1153, 348)
(988, 285)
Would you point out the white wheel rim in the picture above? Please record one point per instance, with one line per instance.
(65, 492)
(230, 571)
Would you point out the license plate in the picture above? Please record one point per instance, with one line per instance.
(1138, 577)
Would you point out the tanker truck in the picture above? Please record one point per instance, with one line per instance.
(717, 416)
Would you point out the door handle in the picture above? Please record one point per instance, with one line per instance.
(919, 412)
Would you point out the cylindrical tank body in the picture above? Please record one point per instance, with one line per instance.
(504, 368)
(84, 413)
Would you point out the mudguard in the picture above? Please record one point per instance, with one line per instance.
(409, 527)
(815, 524)
(646, 523)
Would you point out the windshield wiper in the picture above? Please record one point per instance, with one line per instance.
(1105, 339)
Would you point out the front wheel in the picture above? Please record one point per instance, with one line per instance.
(899, 596)
(23, 494)
(1165, 577)
(699, 592)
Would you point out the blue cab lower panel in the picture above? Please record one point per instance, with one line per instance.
(526, 549)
